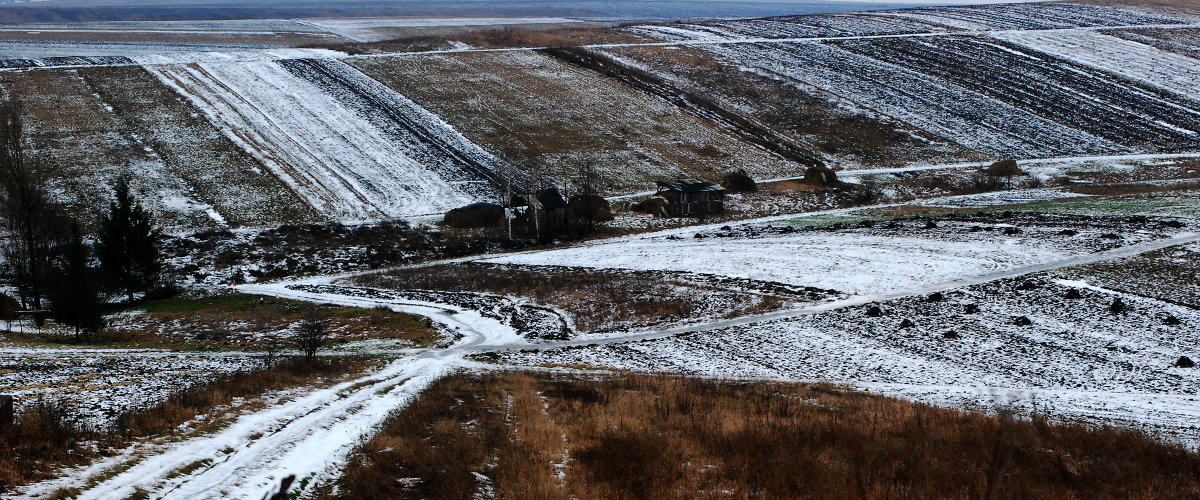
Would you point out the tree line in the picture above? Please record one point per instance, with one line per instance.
(56, 269)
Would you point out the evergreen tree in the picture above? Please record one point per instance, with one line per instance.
(127, 244)
(74, 298)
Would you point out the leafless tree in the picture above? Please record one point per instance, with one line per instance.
(311, 335)
(272, 347)
(33, 222)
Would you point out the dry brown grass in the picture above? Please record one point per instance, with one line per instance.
(597, 298)
(634, 436)
(234, 320)
(45, 439)
(550, 119)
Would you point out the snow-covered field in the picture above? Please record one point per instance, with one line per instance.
(1139, 62)
(1074, 361)
(863, 260)
(1018, 80)
(337, 156)
(913, 21)
(99, 384)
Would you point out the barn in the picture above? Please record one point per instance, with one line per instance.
(692, 197)
(541, 215)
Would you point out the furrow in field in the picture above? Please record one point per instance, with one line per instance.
(941, 107)
(1143, 63)
(1117, 110)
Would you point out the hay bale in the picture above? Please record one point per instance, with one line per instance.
(655, 205)
(739, 182)
(589, 207)
(475, 215)
(1004, 168)
(820, 176)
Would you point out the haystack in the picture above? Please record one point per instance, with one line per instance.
(475, 215)
(739, 182)
(589, 207)
(656, 206)
(1004, 168)
(820, 176)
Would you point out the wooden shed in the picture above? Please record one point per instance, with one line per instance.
(541, 215)
(692, 197)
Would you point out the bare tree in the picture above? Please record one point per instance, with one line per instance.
(272, 347)
(32, 220)
(311, 335)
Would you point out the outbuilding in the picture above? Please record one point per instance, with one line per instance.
(541, 215)
(692, 197)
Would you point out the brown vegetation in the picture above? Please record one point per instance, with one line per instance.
(240, 320)
(634, 436)
(551, 119)
(600, 299)
(44, 438)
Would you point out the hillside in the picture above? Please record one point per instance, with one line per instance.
(324, 135)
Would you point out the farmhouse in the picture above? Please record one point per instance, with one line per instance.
(692, 197)
(541, 215)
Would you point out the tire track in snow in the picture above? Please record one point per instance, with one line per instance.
(310, 436)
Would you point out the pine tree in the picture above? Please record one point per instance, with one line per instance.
(74, 298)
(127, 244)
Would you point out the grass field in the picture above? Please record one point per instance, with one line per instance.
(550, 119)
(520, 435)
(248, 320)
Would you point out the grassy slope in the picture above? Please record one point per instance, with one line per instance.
(70, 130)
(222, 174)
(632, 436)
(551, 119)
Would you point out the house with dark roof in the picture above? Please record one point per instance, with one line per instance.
(692, 197)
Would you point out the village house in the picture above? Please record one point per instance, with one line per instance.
(692, 197)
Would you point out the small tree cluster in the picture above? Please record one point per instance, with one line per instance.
(46, 252)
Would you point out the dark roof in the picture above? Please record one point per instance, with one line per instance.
(478, 206)
(547, 199)
(689, 185)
